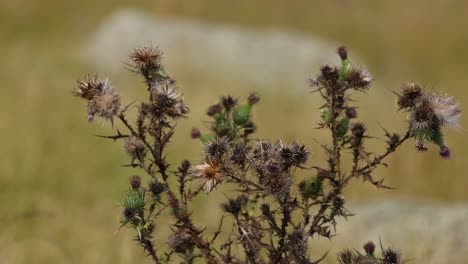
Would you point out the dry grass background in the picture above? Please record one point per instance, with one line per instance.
(60, 186)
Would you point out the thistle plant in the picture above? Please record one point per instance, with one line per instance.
(275, 214)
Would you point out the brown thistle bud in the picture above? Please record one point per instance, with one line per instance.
(249, 128)
(228, 102)
(135, 182)
(253, 98)
(184, 166)
(351, 112)
(234, 206)
(195, 133)
(238, 155)
(156, 188)
(214, 109)
(278, 184)
(329, 74)
(343, 52)
(411, 92)
(421, 146)
(134, 147)
(369, 248)
(358, 130)
(298, 242)
(445, 152)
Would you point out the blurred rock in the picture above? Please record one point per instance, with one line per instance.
(262, 58)
(424, 231)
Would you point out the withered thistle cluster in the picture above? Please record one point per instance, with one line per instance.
(274, 213)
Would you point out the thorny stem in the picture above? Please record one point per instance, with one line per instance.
(335, 157)
(148, 246)
(379, 159)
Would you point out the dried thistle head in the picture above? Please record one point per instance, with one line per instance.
(105, 104)
(88, 87)
(146, 58)
(359, 79)
(134, 147)
(445, 108)
(181, 241)
(156, 188)
(411, 93)
(391, 256)
(210, 173)
(234, 206)
(165, 101)
(217, 147)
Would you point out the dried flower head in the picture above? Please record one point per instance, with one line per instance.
(146, 58)
(181, 241)
(238, 155)
(359, 79)
(234, 206)
(411, 92)
(391, 256)
(329, 75)
(210, 174)
(134, 147)
(217, 147)
(167, 102)
(88, 87)
(422, 117)
(445, 108)
(105, 104)
(156, 188)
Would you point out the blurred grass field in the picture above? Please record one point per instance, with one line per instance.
(60, 185)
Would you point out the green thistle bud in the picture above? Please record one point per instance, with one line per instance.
(311, 188)
(326, 116)
(242, 114)
(346, 69)
(205, 138)
(342, 127)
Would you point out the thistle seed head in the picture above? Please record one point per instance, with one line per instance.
(210, 173)
(134, 147)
